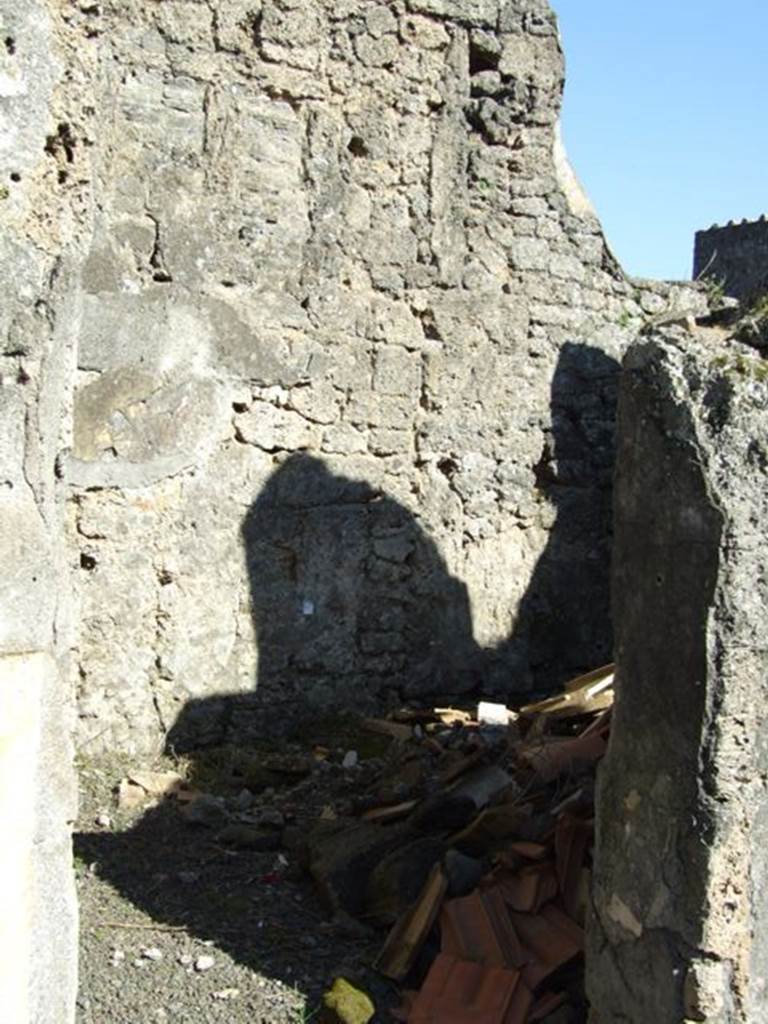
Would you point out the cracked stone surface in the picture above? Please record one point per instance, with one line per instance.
(680, 860)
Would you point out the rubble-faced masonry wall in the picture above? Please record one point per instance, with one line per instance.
(734, 257)
(345, 230)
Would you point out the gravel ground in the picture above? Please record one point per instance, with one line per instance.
(178, 926)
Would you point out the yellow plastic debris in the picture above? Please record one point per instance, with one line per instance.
(350, 1005)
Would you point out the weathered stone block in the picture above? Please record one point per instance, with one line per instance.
(275, 429)
(681, 863)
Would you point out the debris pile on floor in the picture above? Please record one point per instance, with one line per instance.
(483, 877)
(467, 843)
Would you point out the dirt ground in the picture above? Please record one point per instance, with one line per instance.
(196, 900)
(178, 925)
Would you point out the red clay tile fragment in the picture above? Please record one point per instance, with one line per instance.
(520, 1004)
(551, 939)
(558, 756)
(565, 924)
(478, 927)
(458, 992)
(526, 889)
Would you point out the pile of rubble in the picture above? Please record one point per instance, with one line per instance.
(467, 843)
(483, 874)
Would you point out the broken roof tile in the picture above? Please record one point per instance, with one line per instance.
(558, 756)
(459, 992)
(478, 927)
(528, 888)
(550, 937)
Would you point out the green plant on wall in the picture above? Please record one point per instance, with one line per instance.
(715, 290)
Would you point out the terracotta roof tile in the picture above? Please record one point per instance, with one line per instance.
(458, 992)
(478, 927)
(551, 939)
(528, 888)
(554, 758)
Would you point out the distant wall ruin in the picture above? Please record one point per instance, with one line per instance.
(734, 256)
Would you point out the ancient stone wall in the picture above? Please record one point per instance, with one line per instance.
(680, 858)
(735, 257)
(345, 375)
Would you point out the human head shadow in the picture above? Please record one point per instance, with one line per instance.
(353, 607)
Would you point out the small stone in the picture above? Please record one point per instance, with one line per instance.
(246, 837)
(103, 820)
(206, 811)
(204, 963)
(118, 956)
(350, 1004)
(226, 993)
(152, 953)
(350, 759)
(130, 795)
(271, 818)
(244, 800)
(463, 873)
(185, 959)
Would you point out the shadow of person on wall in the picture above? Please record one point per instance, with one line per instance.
(352, 606)
(563, 623)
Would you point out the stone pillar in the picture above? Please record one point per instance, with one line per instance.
(679, 930)
(38, 919)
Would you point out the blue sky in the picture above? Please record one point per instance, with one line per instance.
(666, 120)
